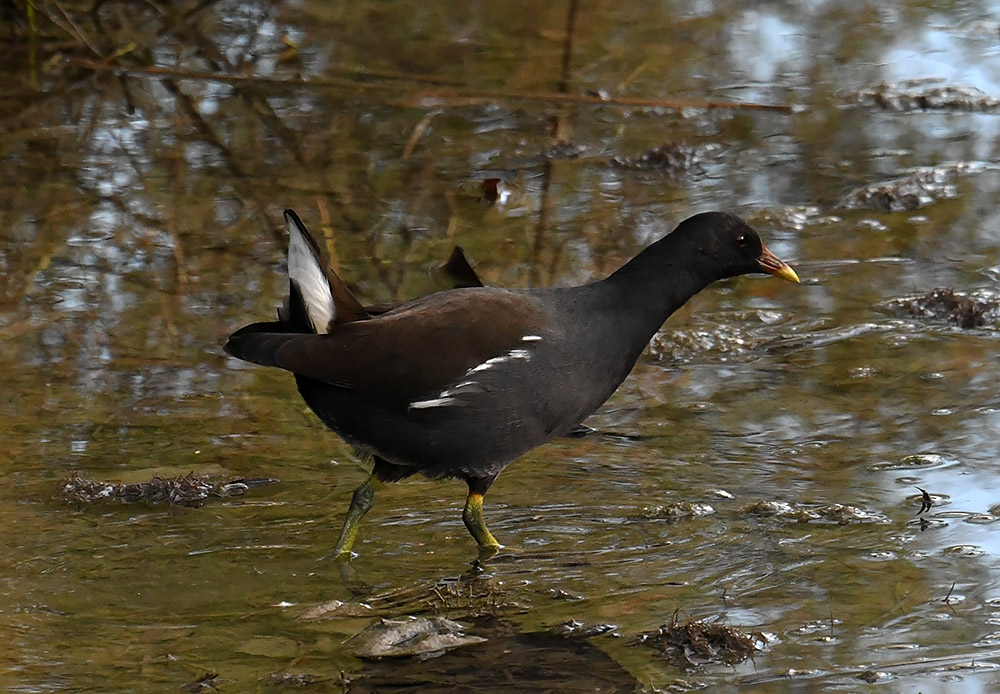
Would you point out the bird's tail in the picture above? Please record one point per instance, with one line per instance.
(318, 301)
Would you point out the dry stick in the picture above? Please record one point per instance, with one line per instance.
(200, 75)
(444, 98)
(568, 45)
(562, 128)
(197, 8)
(368, 73)
(418, 131)
(70, 28)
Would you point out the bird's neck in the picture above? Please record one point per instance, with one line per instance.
(657, 282)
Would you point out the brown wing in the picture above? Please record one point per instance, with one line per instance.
(405, 355)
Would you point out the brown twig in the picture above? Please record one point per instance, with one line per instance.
(368, 73)
(562, 127)
(463, 97)
(418, 131)
(68, 25)
(568, 45)
(442, 98)
(229, 78)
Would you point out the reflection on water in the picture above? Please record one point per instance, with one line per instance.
(141, 225)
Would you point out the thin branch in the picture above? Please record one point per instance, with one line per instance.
(426, 99)
(464, 97)
(418, 131)
(69, 27)
(568, 45)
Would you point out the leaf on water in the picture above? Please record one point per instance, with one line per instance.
(408, 637)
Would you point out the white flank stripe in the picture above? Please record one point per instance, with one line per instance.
(490, 363)
(436, 402)
(447, 396)
(305, 271)
(464, 386)
(531, 338)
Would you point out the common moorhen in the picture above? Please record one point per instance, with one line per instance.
(461, 382)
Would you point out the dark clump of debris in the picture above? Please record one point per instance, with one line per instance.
(693, 644)
(918, 188)
(966, 310)
(912, 96)
(678, 510)
(673, 158)
(910, 192)
(184, 490)
(203, 684)
(295, 679)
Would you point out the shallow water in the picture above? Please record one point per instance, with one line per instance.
(141, 224)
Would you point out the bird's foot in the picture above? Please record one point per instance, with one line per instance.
(486, 552)
(342, 555)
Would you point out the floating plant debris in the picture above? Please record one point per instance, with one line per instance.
(976, 309)
(673, 158)
(694, 644)
(911, 96)
(203, 684)
(804, 513)
(184, 490)
(680, 509)
(918, 188)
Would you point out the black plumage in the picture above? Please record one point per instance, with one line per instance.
(461, 382)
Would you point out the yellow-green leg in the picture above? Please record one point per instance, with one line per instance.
(361, 503)
(473, 518)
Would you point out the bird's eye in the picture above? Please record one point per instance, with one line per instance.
(741, 240)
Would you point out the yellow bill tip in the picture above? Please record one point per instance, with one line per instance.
(772, 265)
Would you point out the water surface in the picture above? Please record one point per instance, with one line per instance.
(147, 154)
